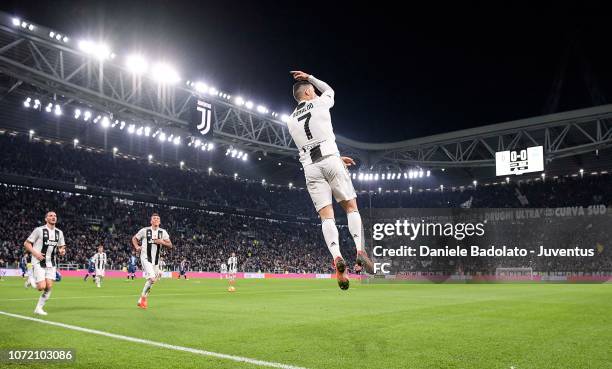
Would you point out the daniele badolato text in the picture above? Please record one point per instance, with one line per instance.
(402, 231)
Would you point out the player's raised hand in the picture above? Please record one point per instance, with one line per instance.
(347, 161)
(298, 75)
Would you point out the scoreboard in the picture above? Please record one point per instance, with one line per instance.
(519, 162)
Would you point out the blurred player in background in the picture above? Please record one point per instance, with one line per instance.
(44, 244)
(23, 261)
(91, 269)
(223, 270)
(183, 268)
(30, 282)
(325, 170)
(132, 266)
(100, 260)
(232, 264)
(149, 242)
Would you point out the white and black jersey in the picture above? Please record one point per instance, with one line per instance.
(99, 260)
(232, 264)
(150, 252)
(310, 125)
(46, 241)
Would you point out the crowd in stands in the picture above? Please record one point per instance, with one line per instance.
(206, 239)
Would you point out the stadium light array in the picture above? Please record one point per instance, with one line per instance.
(248, 104)
(100, 51)
(410, 174)
(137, 64)
(239, 101)
(23, 24)
(165, 74)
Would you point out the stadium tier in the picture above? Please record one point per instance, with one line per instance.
(270, 242)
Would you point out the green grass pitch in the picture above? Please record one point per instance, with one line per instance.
(312, 324)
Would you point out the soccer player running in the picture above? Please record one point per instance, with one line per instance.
(132, 266)
(100, 260)
(44, 244)
(232, 264)
(149, 241)
(91, 269)
(223, 270)
(183, 268)
(325, 170)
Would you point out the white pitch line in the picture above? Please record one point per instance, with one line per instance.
(167, 294)
(217, 355)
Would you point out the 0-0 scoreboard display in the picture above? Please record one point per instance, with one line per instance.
(518, 162)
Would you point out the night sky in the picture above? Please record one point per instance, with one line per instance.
(398, 74)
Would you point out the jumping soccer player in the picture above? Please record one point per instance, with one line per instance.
(148, 241)
(99, 260)
(232, 263)
(44, 243)
(132, 266)
(325, 170)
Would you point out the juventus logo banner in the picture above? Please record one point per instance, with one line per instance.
(203, 118)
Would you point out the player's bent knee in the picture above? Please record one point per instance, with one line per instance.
(349, 206)
(326, 212)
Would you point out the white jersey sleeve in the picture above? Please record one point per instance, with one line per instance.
(141, 233)
(165, 235)
(62, 241)
(327, 93)
(35, 235)
(311, 127)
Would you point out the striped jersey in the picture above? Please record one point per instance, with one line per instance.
(46, 241)
(310, 125)
(150, 251)
(232, 263)
(99, 260)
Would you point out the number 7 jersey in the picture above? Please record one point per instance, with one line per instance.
(310, 125)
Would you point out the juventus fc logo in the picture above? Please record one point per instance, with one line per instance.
(206, 122)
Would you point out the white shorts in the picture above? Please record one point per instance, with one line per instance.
(100, 272)
(328, 177)
(149, 270)
(41, 273)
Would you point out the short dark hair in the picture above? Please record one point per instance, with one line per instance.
(298, 89)
(154, 215)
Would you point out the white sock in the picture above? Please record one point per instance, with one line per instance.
(356, 228)
(43, 298)
(330, 233)
(31, 280)
(147, 288)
